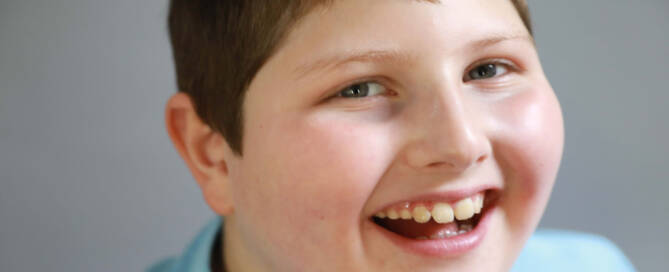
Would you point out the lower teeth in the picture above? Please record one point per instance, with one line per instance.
(462, 229)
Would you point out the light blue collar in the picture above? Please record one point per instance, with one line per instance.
(546, 251)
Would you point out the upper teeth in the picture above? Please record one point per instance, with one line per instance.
(421, 214)
(441, 212)
(464, 209)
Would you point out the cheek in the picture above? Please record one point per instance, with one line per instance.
(336, 163)
(529, 140)
(310, 177)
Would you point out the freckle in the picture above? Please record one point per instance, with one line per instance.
(321, 217)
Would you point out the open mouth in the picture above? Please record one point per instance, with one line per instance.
(434, 220)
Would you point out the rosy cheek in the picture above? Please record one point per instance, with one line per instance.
(529, 137)
(324, 168)
(342, 162)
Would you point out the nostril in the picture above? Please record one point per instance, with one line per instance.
(437, 164)
(481, 159)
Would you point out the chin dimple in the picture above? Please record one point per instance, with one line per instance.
(440, 212)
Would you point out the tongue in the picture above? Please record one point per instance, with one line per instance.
(412, 229)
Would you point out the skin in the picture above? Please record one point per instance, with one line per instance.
(316, 166)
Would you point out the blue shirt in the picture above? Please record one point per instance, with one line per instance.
(546, 251)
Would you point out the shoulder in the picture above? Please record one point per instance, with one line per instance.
(166, 265)
(559, 250)
(196, 257)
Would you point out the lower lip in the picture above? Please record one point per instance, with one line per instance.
(447, 247)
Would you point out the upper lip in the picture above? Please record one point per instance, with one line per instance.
(442, 196)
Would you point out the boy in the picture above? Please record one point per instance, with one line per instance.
(369, 135)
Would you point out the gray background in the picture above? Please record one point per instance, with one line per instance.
(90, 182)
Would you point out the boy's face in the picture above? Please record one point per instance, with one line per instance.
(451, 103)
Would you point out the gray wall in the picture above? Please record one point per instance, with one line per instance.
(90, 182)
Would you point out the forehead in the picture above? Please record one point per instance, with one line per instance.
(350, 26)
(397, 30)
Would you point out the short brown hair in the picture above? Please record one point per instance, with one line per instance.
(219, 46)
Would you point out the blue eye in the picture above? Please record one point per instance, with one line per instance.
(487, 70)
(361, 90)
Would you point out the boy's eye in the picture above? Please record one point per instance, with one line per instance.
(361, 90)
(486, 70)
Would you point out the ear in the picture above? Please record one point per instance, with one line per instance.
(203, 150)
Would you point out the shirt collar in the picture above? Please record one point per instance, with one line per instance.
(197, 256)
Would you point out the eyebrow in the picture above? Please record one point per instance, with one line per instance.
(395, 56)
(374, 55)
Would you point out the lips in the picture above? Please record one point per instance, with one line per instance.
(438, 226)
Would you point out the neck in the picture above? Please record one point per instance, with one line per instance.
(238, 251)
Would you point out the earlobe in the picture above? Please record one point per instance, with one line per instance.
(202, 149)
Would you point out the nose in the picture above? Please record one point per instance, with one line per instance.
(448, 135)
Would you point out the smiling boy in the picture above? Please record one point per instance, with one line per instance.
(369, 135)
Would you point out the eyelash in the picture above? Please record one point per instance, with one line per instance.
(506, 64)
